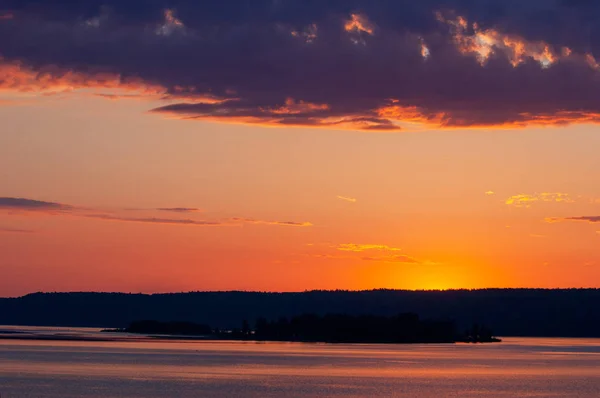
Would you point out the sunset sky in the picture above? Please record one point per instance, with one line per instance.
(152, 146)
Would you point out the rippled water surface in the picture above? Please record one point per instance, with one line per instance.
(518, 367)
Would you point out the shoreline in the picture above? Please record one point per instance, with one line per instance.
(23, 336)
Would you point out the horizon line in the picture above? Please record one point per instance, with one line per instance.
(302, 292)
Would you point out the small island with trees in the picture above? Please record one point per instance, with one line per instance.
(330, 328)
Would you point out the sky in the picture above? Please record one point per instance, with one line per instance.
(287, 145)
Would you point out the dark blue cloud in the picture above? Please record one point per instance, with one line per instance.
(562, 22)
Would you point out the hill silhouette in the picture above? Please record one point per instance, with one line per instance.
(509, 312)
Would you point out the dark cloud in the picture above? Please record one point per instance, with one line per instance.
(31, 205)
(298, 63)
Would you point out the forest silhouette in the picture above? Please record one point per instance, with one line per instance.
(508, 312)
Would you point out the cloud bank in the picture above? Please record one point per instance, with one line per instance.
(357, 64)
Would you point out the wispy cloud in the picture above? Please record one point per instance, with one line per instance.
(178, 221)
(264, 222)
(358, 247)
(24, 204)
(16, 230)
(490, 193)
(54, 208)
(589, 219)
(400, 258)
(179, 209)
(368, 252)
(330, 256)
(155, 220)
(526, 200)
(346, 198)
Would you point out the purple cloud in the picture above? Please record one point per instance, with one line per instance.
(373, 66)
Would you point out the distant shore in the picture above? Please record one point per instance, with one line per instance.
(23, 337)
(310, 328)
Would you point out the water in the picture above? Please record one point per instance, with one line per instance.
(148, 368)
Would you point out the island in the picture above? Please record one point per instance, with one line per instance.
(331, 328)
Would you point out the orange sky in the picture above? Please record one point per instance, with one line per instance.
(297, 208)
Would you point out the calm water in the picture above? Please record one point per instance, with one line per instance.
(518, 367)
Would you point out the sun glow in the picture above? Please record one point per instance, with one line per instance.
(436, 282)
